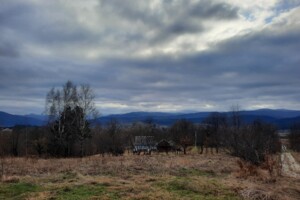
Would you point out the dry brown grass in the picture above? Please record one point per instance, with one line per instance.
(264, 182)
(269, 171)
(119, 166)
(153, 177)
(296, 155)
(257, 194)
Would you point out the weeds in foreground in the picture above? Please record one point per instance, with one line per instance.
(268, 171)
(2, 164)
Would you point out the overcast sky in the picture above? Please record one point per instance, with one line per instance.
(159, 55)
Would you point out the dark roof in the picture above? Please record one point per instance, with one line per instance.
(144, 141)
(163, 143)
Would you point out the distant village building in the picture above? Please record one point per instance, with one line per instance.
(6, 130)
(283, 133)
(164, 146)
(144, 144)
(147, 144)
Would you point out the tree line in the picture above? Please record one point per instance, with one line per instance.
(71, 132)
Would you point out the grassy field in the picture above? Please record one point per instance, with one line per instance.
(159, 176)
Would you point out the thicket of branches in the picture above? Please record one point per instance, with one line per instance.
(251, 142)
(294, 137)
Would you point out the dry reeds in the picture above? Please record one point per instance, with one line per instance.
(256, 194)
(121, 165)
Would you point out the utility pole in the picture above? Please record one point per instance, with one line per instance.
(195, 138)
(26, 139)
(26, 142)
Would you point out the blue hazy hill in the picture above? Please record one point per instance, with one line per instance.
(281, 118)
(9, 120)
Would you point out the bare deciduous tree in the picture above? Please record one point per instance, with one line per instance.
(182, 133)
(86, 101)
(213, 131)
(113, 130)
(70, 110)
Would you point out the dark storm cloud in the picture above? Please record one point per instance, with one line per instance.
(173, 18)
(209, 9)
(190, 16)
(141, 11)
(182, 27)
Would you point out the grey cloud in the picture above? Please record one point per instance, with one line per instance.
(43, 24)
(140, 10)
(209, 9)
(54, 24)
(8, 49)
(189, 18)
(133, 11)
(173, 18)
(13, 12)
(262, 66)
(125, 23)
(182, 27)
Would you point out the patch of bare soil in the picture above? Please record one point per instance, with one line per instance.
(290, 167)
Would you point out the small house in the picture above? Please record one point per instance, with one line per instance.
(144, 144)
(164, 146)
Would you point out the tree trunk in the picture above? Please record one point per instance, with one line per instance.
(81, 148)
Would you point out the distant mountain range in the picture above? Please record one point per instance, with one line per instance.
(281, 118)
(9, 120)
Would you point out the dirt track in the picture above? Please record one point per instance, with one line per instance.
(290, 167)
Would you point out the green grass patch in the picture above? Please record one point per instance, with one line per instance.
(60, 190)
(204, 188)
(84, 192)
(62, 178)
(196, 172)
(17, 190)
(69, 175)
